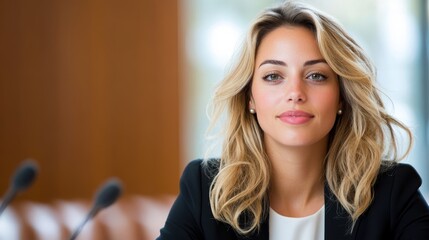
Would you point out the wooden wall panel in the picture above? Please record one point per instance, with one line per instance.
(90, 89)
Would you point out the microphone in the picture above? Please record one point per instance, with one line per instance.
(21, 180)
(105, 196)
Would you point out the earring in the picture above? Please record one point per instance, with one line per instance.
(252, 111)
(340, 112)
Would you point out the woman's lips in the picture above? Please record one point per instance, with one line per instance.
(295, 117)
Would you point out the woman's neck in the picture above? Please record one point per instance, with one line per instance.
(297, 183)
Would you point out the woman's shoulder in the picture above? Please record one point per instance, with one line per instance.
(398, 207)
(207, 165)
(399, 172)
(397, 183)
(201, 170)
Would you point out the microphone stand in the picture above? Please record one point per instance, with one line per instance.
(10, 194)
(89, 216)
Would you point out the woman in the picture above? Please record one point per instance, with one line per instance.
(309, 150)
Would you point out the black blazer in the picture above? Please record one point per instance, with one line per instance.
(398, 210)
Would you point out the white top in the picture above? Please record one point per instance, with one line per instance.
(309, 227)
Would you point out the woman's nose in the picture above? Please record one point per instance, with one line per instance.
(296, 91)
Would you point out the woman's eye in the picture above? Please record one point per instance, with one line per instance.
(272, 77)
(318, 77)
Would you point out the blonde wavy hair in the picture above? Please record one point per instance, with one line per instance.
(362, 137)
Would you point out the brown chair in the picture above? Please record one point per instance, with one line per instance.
(72, 213)
(118, 223)
(11, 226)
(150, 213)
(131, 218)
(43, 221)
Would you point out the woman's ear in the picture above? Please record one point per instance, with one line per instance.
(251, 105)
(340, 108)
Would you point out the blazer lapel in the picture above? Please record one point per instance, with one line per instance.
(262, 234)
(337, 221)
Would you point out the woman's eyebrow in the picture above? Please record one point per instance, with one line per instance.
(281, 63)
(274, 62)
(316, 61)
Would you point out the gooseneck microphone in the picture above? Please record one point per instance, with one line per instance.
(24, 176)
(105, 196)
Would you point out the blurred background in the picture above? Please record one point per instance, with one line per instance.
(92, 89)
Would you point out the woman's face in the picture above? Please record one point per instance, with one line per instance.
(295, 93)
